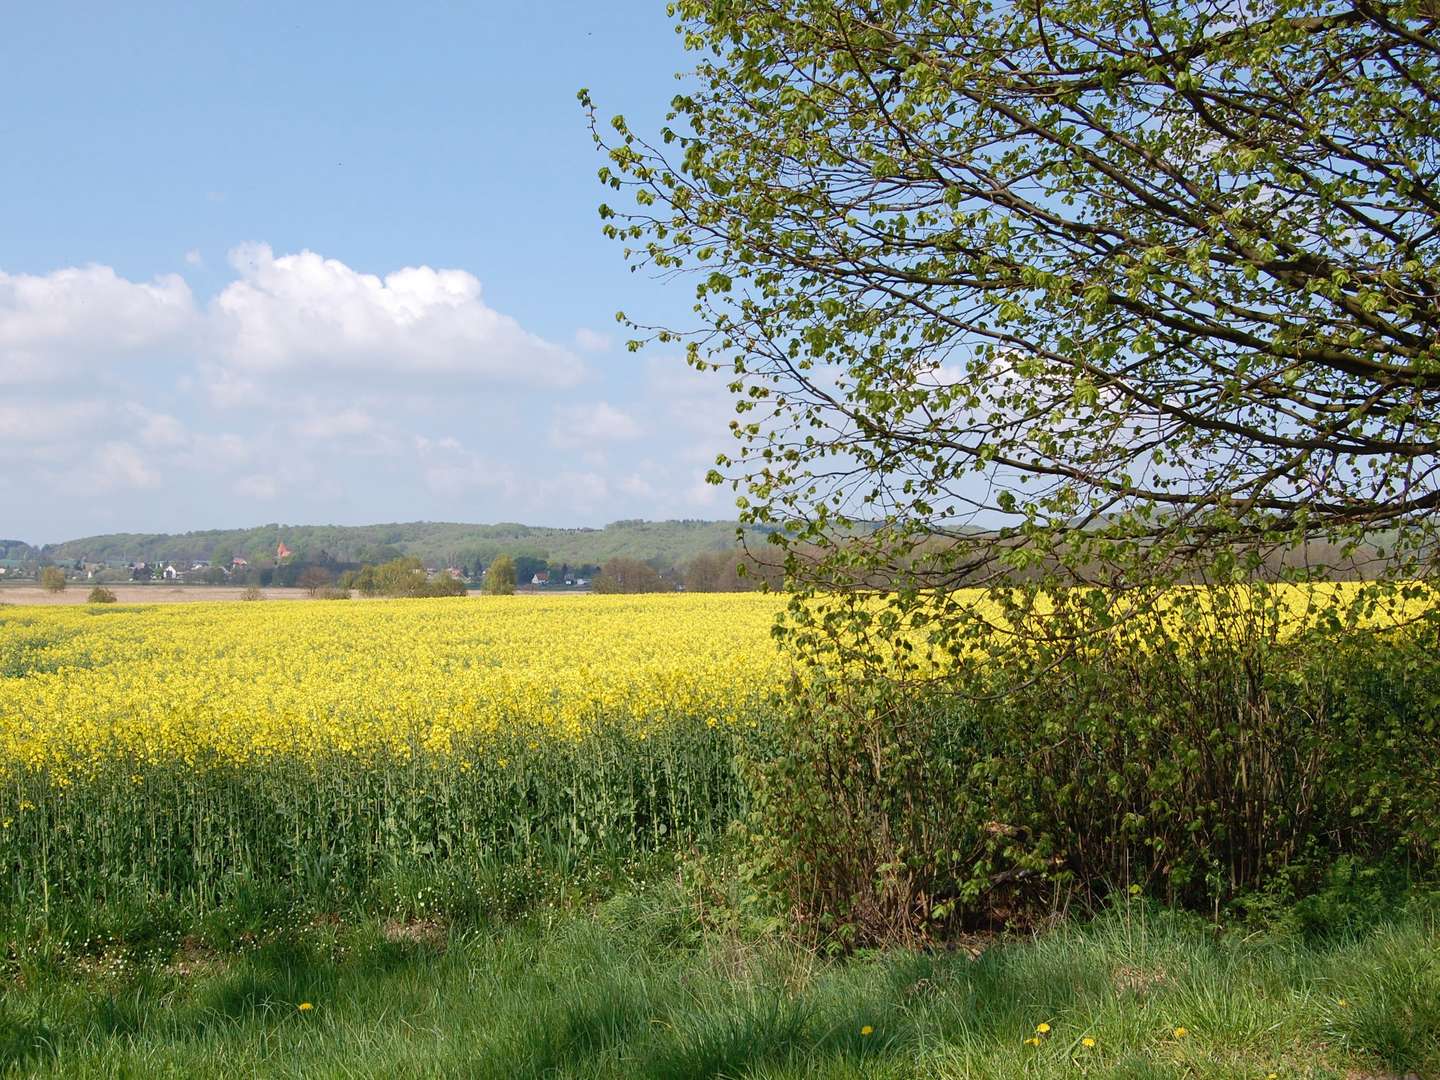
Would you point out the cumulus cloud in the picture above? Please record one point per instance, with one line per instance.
(591, 340)
(33, 422)
(159, 430)
(450, 470)
(328, 426)
(590, 423)
(119, 465)
(256, 486)
(309, 313)
(305, 380)
(52, 325)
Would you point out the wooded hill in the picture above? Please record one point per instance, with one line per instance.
(436, 543)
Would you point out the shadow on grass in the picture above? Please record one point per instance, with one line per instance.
(587, 1000)
(25, 1042)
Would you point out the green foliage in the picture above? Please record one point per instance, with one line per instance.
(403, 577)
(100, 595)
(1195, 773)
(333, 830)
(52, 579)
(1080, 291)
(500, 576)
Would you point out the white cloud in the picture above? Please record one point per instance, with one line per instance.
(591, 340)
(77, 319)
(345, 423)
(707, 497)
(637, 486)
(449, 470)
(46, 421)
(594, 422)
(119, 465)
(194, 258)
(159, 430)
(308, 313)
(334, 385)
(256, 486)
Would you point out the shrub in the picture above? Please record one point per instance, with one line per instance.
(251, 592)
(101, 595)
(1192, 773)
(329, 592)
(403, 577)
(52, 579)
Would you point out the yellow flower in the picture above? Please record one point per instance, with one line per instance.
(867, 1030)
(1181, 1032)
(1343, 1003)
(305, 1006)
(1032, 1041)
(1087, 1042)
(1043, 1029)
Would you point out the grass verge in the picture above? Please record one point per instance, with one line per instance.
(641, 985)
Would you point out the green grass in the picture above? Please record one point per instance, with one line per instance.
(651, 984)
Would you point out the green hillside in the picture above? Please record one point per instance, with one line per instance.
(437, 543)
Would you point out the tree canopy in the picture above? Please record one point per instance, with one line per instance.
(1088, 290)
(500, 576)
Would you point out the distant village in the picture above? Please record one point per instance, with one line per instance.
(284, 568)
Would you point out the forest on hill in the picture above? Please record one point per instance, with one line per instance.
(668, 543)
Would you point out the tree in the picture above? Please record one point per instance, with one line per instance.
(52, 579)
(629, 576)
(1067, 292)
(527, 566)
(731, 571)
(313, 578)
(500, 576)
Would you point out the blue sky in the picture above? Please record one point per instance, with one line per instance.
(330, 263)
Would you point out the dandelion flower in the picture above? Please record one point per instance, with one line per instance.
(1181, 1032)
(867, 1030)
(305, 1006)
(1034, 1040)
(1042, 1029)
(1087, 1042)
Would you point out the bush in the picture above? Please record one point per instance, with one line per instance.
(251, 592)
(1192, 774)
(403, 577)
(101, 595)
(329, 592)
(52, 579)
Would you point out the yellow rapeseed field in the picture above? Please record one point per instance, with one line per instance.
(250, 682)
(328, 748)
